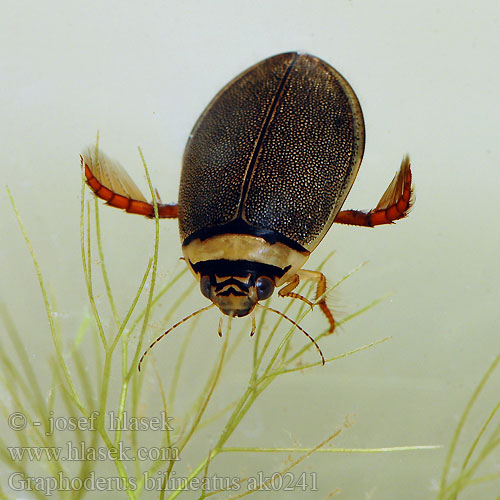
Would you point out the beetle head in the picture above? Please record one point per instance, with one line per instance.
(235, 295)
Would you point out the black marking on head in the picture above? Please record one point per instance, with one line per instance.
(233, 281)
(242, 268)
(239, 226)
(232, 291)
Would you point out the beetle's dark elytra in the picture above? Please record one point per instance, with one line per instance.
(276, 150)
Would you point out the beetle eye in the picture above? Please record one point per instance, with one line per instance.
(265, 287)
(205, 286)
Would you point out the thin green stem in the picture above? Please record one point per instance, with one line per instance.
(104, 271)
(198, 417)
(48, 309)
(179, 362)
(158, 296)
(289, 467)
(339, 323)
(208, 396)
(123, 391)
(390, 449)
(334, 358)
(138, 294)
(462, 421)
(87, 268)
(153, 274)
(480, 434)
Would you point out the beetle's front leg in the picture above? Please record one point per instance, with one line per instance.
(320, 278)
(320, 290)
(286, 291)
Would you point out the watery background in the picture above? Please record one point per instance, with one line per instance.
(427, 76)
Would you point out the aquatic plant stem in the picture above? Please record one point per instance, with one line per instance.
(461, 424)
(200, 413)
(87, 267)
(48, 309)
(250, 449)
(104, 271)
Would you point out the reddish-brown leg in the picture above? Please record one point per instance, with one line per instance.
(395, 203)
(126, 195)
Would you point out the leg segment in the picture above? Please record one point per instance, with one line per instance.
(110, 182)
(303, 274)
(395, 203)
(286, 291)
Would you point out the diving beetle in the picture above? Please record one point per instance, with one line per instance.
(265, 172)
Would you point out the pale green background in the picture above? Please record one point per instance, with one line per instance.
(427, 76)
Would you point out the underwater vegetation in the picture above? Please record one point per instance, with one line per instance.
(94, 375)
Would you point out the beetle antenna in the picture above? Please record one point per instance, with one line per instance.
(168, 331)
(252, 332)
(299, 327)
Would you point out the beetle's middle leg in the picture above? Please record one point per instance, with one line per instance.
(320, 278)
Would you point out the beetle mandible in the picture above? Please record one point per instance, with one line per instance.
(265, 172)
